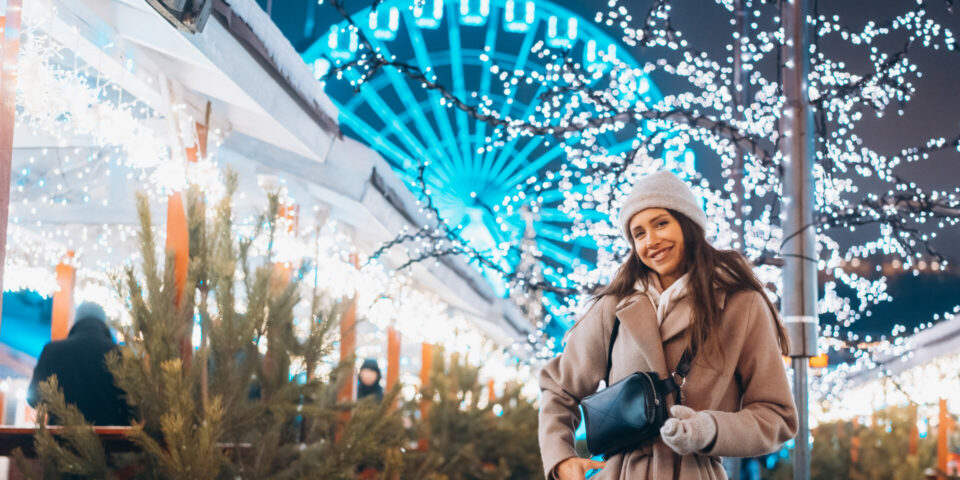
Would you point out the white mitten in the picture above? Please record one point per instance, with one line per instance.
(688, 431)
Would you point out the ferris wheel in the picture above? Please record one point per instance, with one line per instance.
(477, 181)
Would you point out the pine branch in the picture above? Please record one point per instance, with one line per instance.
(76, 449)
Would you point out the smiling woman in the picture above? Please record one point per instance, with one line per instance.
(677, 297)
(658, 241)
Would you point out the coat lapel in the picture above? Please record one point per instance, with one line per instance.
(677, 320)
(640, 321)
(679, 317)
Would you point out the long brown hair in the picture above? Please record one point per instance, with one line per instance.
(708, 268)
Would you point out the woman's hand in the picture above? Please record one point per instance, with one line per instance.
(575, 468)
(688, 431)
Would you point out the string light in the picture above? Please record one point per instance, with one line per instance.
(61, 99)
(580, 107)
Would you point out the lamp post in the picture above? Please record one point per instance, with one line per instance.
(799, 250)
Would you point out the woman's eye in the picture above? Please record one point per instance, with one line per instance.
(662, 223)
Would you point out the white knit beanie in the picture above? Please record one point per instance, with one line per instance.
(662, 189)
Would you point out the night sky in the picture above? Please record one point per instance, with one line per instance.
(933, 111)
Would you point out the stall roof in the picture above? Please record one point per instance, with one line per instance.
(276, 119)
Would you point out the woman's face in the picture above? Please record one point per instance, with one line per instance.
(658, 241)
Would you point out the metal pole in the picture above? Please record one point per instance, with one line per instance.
(799, 300)
(9, 48)
(740, 87)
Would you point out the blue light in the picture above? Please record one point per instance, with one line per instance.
(644, 86)
(595, 59)
(320, 67)
(384, 22)
(518, 16)
(689, 160)
(428, 18)
(561, 34)
(342, 42)
(474, 12)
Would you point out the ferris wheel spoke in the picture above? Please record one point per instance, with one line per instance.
(395, 154)
(531, 168)
(459, 88)
(490, 43)
(393, 123)
(440, 113)
(494, 157)
(504, 156)
(406, 96)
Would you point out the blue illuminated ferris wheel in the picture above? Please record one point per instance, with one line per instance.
(475, 181)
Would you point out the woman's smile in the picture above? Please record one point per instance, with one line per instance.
(660, 255)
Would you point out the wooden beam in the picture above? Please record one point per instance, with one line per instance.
(348, 341)
(61, 316)
(393, 356)
(178, 244)
(914, 440)
(943, 432)
(10, 46)
(426, 366)
(348, 351)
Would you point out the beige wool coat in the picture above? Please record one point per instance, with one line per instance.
(745, 389)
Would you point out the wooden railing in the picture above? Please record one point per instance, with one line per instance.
(114, 438)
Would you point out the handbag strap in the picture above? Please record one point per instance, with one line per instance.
(683, 367)
(613, 338)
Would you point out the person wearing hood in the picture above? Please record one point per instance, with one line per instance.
(368, 382)
(79, 363)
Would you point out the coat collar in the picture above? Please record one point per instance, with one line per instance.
(638, 317)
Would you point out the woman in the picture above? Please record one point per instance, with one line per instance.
(674, 290)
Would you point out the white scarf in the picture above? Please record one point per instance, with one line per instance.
(663, 300)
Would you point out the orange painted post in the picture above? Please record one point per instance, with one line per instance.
(855, 447)
(283, 271)
(178, 241)
(178, 244)
(291, 215)
(279, 280)
(348, 342)
(10, 45)
(943, 431)
(491, 395)
(426, 365)
(62, 314)
(348, 350)
(393, 357)
(914, 432)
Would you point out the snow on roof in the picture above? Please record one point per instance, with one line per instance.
(284, 56)
(926, 346)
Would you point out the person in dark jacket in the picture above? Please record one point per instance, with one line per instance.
(79, 364)
(369, 381)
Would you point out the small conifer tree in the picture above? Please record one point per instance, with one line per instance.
(233, 408)
(466, 441)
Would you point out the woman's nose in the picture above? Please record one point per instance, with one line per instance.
(652, 239)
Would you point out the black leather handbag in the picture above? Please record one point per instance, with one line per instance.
(624, 415)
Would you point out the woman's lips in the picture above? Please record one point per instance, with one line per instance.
(661, 254)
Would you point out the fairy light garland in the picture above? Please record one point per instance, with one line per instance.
(64, 103)
(579, 106)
